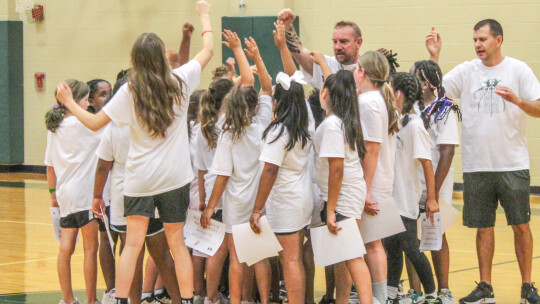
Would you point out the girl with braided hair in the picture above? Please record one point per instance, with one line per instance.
(413, 152)
(442, 114)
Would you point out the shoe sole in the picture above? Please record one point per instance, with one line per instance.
(524, 301)
(482, 301)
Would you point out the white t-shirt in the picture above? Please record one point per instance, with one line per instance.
(204, 157)
(290, 202)
(330, 142)
(412, 145)
(492, 129)
(316, 80)
(156, 164)
(194, 186)
(442, 132)
(240, 161)
(114, 146)
(374, 121)
(71, 151)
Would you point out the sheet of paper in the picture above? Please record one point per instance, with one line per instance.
(431, 239)
(107, 229)
(386, 223)
(206, 240)
(330, 249)
(251, 247)
(448, 215)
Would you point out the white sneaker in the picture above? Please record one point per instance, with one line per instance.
(207, 301)
(75, 301)
(108, 297)
(198, 299)
(446, 296)
(222, 299)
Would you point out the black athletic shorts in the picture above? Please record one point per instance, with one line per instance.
(155, 226)
(77, 219)
(101, 223)
(483, 190)
(172, 206)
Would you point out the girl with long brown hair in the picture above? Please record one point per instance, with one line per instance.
(158, 169)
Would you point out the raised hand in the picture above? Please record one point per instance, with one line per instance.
(63, 93)
(252, 50)
(279, 34)
(232, 40)
(187, 30)
(230, 63)
(434, 43)
(317, 57)
(286, 16)
(203, 7)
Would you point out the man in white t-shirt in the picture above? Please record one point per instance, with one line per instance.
(497, 92)
(346, 38)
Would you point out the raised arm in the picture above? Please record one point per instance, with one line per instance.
(233, 42)
(93, 122)
(434, 44)
(204, 55)
(279, 38)
(252, 50)
(319, 59)
(183, 52)
(298, 51)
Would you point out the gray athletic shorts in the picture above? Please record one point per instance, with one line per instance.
(172, 206)
(483, 190)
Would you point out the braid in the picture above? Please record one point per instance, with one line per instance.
(430, 72)
(411, 88)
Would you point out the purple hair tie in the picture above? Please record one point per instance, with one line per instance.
(57, 106)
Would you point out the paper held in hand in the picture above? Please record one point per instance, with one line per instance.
(205, 240)
(448, 215)
(385, 224)
(330, 249)
(431, 233)
(251, 247)
(107, 228)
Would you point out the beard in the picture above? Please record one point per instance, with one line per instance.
(345, 59)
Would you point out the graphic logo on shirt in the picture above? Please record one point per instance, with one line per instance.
(399, 143)
(487, 101)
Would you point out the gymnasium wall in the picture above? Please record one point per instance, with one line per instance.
(92, 39)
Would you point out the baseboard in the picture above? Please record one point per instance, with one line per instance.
(19, 168)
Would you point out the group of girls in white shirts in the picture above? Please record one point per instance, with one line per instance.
(242, 155)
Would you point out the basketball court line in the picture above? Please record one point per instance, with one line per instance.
(35, 260)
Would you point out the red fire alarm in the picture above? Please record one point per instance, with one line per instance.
(40, 80)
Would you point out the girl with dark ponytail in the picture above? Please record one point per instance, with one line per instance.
(442, 114)
(413, 151)
(339, 174)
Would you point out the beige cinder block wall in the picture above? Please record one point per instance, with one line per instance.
(91, 39)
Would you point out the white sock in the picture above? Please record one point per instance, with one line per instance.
(380, 291)
(146, 295)
(433, 294)
(392, 293)
(158, 291)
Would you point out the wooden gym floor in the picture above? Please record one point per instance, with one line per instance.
(28, 250)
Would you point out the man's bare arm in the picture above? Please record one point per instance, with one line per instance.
(298, 51)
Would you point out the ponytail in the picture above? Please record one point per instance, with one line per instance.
(410, 86)
(210, 104)
(54, 116)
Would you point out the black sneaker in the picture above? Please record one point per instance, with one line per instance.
(149, 300)
(483, 293)
(164, 297)
(529, 294)
(326, 300)
(392, 301)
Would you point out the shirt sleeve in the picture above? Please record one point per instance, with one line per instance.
(332, 144)
(273, 151)
(120, 106)
(105, 147)
(48, 156)
(190, 73)
(222, 163)
(420, 140)
(370, 121)
(453, 82)
(264, 113)
(448, 130)
(529, 87)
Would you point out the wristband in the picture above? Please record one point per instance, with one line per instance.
(208, 31)
(52, 190)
